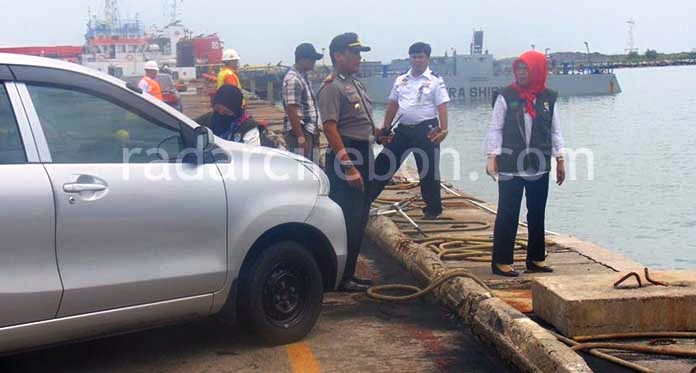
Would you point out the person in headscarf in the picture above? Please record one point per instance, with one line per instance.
(229, 120)
(523, 136)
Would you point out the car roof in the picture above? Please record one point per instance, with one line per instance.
(24, 60)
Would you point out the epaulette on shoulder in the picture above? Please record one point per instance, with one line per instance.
(434, 74)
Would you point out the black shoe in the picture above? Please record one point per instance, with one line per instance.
(352, 287)
(430, 216)
(497, 271)
(531, 267)
(362, 281)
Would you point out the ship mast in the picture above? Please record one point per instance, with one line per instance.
(111, 13)
(171, 9)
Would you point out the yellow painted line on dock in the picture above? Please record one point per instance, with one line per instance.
(302, 359)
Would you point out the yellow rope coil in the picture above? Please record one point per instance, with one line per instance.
(377, 292)
(468, 248)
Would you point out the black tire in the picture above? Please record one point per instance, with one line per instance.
(281, 293)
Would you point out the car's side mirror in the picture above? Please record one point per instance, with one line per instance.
(204, 138)
(170, 148)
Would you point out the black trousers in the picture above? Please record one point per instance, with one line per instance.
(354, 202)
(510, 191)
(407, 140)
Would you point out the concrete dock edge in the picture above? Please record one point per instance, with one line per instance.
(518, 339)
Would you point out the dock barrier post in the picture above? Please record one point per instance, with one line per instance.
(269, 93)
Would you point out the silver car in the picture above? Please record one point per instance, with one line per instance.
(119, 213)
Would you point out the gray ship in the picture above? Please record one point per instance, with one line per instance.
(476, 76)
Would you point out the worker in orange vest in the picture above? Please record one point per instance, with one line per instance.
(228, 73)
(148, 83)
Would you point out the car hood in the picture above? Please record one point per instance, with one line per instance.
(234, 147)
(262, 158)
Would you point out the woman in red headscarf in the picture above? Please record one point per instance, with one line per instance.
(523, 137)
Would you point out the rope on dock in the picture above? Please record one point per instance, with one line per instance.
(418, 203)
(600, 337)
(636, 348)
(468, 248)
(376, 292)
(602, 355)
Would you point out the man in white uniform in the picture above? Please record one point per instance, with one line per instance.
(420, 99)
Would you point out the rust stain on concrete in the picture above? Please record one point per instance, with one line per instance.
(521, 299)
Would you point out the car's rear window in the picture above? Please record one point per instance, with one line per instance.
(11, 147)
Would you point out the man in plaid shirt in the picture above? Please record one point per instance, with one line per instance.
(301, 114)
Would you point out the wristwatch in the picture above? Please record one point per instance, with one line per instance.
(346, 165)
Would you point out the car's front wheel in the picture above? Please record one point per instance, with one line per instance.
(282, 293)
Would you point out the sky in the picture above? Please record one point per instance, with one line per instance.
(267, 31)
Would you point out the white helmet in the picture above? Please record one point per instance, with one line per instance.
(230, 55)
(151, 65)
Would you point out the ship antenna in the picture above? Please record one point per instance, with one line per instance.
(112, 13)
(171, 8)
(630, 42)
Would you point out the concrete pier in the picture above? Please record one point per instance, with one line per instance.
(506, 319)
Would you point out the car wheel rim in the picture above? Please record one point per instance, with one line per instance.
(284, 296)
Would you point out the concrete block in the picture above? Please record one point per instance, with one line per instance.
(590, 305)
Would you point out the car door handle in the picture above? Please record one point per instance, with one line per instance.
(83, 187)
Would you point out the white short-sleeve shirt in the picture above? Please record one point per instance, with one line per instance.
(144, 85)
(418, 97)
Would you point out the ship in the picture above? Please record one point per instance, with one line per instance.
(121, 46)
(473, 77)
(478, 75)
(68, 53)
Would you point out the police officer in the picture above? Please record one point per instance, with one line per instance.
(420, 99)
(346, 112)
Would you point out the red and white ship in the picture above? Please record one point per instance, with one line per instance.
(121, 47)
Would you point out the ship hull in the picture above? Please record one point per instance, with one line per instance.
(464, 90)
